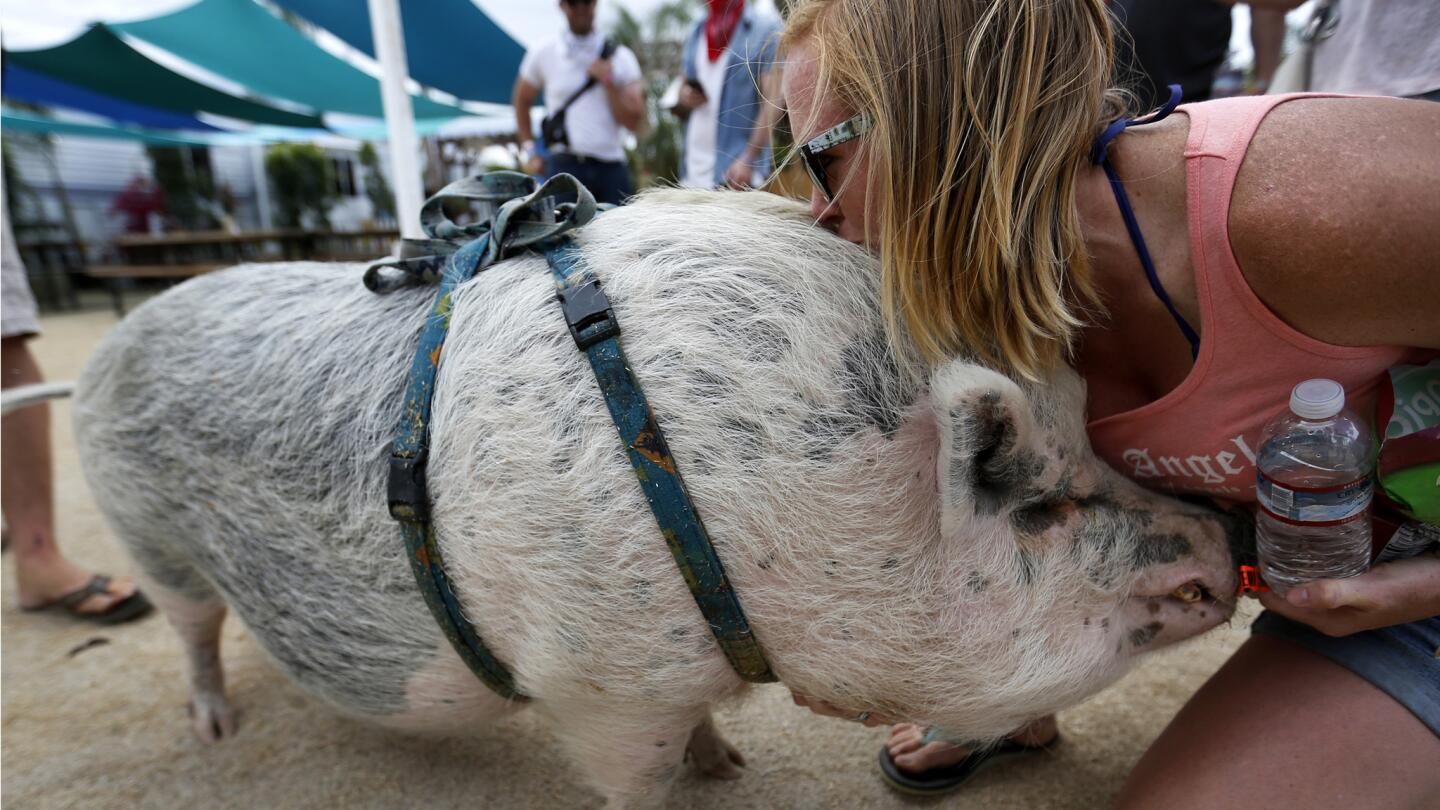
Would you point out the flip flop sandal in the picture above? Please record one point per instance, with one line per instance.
(128, 609)
(943, 780)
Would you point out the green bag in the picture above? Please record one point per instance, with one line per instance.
(1407, 470)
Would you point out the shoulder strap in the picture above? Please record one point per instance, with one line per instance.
(607, 50)
(1219, 139)
(1099, 154)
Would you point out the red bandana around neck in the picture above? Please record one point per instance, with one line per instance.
(720, 25)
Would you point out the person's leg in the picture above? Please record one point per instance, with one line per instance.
(1281, 726)
(560, 163)
(610, 183)
(42, 574)
(563, 163)
(619, 183)
(599, 179)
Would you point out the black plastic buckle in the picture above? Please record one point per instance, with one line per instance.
(408, 498)
(588, 314)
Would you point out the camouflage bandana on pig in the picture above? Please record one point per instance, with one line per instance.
(941, 546)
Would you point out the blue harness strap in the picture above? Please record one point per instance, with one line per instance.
(519, 222)
(1099, 154)
(409, 501)
(523, 219)
(596, 332)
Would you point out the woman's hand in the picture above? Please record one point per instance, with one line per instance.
(822, 708)
(1392, 593)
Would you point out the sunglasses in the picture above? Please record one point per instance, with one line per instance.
(811, 150)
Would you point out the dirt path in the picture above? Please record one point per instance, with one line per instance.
(105, 726)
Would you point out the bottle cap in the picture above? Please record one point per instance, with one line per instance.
(1317, 399)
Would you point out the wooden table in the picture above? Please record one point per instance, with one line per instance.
(183, 254)
(48, 265)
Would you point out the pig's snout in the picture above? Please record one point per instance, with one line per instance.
(1184, 602)
(1174, 600)
(1238, 523)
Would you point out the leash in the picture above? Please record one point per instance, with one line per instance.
(524, 218)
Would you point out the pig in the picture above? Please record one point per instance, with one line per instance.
(928, 541)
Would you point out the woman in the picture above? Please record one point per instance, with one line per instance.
(1274, 240)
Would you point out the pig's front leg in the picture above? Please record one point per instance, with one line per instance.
(630, 754)
(713, 754)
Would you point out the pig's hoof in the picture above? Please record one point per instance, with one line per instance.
(717, 758)
(211, 718)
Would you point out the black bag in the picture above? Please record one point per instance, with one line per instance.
(552, 126)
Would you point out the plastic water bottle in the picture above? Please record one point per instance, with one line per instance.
(1314, 483)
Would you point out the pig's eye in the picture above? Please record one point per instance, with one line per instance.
(1035, 518)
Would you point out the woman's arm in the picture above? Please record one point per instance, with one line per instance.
(1335, 219)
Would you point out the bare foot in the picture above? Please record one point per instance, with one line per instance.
(911, 753)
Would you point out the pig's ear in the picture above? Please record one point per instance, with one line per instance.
(990, 450)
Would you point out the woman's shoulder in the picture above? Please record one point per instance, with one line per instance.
(1333, 218)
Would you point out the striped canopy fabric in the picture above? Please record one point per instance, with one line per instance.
(450, 45)
(241, 41)
(23, 84)
(100, 61)
(21, 121)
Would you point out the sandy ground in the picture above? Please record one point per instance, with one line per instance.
(104, 725)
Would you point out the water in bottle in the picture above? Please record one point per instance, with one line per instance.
(1314, 484)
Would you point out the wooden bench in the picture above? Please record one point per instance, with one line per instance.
(183, 254)
(118, 274)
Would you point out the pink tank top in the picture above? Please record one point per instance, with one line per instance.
(1201, 438)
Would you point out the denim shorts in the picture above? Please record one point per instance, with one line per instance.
(1403, 661)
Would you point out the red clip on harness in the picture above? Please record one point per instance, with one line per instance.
(1250, 581)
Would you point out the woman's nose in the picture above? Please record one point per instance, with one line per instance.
(826, 213)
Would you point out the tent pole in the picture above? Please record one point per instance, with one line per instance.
(262, 186)
(399, 117)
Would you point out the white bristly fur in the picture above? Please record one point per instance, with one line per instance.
(235, 432)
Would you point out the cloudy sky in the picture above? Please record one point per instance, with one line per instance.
(39, 23)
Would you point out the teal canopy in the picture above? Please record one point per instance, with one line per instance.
(450, 45)
(17, 121)
(101, 61)
(241, 41)
(23, 84)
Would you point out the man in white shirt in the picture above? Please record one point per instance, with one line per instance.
(593, 147)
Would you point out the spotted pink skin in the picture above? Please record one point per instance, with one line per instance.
(939, 545)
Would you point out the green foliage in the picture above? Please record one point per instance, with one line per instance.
(627, 31)
(656, 156)
(377, 188)
(186, 190)
(303, 180)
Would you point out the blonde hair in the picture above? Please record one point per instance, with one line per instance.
(983, 114)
